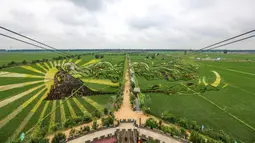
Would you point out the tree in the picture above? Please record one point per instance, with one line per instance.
(169, 117)
(160, 124)
(97, 114)
(97, 56)
(151, 123)
(105, 111)
(55, 127)
(24, 62)
(196, 138)
(185, 52)
(94, 125)
(86, 129)
(183, 123)
(194, 126)
(59, 137)
(39, 140)
(11, 63)
(107, 121)
(225, 51)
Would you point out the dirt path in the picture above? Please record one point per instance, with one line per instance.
(126, 111)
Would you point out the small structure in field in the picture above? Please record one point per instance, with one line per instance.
(137, 90)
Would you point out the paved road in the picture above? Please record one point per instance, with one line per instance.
(93, 135)
(146, 132)
(137, 104)
(155, 135)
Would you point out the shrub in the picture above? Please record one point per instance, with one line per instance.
(42, 132)
(39, 140)
(184, 133)
(77, 120)
(159, 124)
(151, 123)
(55, 127)
(58, 138)
(97, 114)
(196, 138)
(194, 126)
(11, 63)
(72, 132)
(94, 126)
(86, 129)
(86, 119)
(24, 62)
(105, 111)
(169, 117)
(183, 123)
(107, 121)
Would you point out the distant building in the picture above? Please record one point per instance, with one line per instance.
(218, 59)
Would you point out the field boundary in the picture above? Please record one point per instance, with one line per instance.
(237, 71)
(216, 105)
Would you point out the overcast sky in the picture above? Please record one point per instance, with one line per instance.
(172, 24)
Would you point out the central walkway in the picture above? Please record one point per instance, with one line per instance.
(126, 111)
(126, 126)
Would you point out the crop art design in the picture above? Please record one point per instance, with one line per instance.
(181, 76)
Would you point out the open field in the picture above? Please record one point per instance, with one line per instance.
(229, 108)
(23, 91)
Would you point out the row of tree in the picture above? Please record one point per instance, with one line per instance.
(25, 62)
(193, 126)
(179, 131)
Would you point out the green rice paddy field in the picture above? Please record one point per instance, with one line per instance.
(230, 109)
(22, 93)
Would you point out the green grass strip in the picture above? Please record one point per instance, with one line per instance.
(18, 85)
(58, 113)
(94, 104)
(73, 114)
(51, 64)
(18, 110)
(32, 69)
(15, 80)
(46, 119)
(63, 62)
(77, 61)
(48, 67)
(14, 74)
(40, 66)
(76, 108)
(58, 62)
(28, 117)
(53, 115)
(15, 97)
(37, 128)
(84, 110)
(55, 63)
(89, 107)
(62, 112)
(67, 111)
(9, 93)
